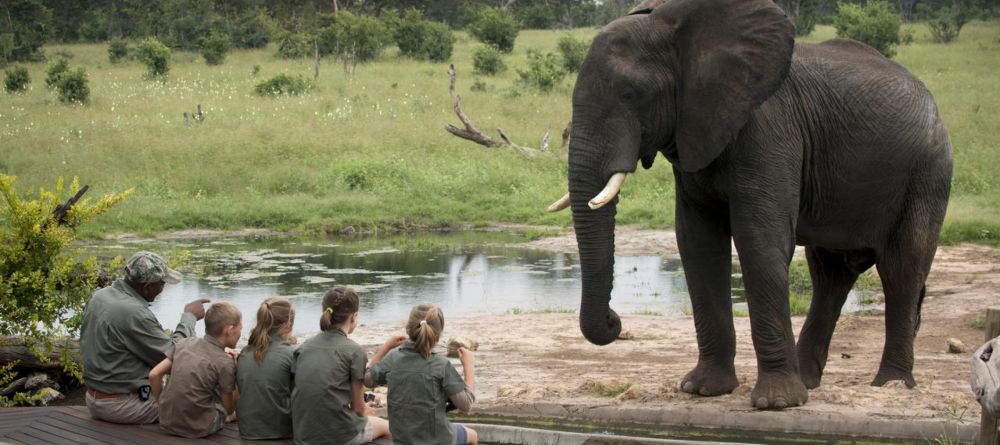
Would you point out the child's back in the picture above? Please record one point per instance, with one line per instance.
(264, 407)
(324, 367)
(190, 403)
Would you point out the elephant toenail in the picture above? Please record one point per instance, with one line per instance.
(761, 403)
(688, 387)
(704, 391)
(780, 404)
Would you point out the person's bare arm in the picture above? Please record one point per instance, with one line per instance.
(390, 344)
(468, 360)
(229, 400)
(156, 377)
(358, 399)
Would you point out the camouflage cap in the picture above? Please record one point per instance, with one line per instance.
(148, 267)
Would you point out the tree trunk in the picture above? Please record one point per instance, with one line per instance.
(19, 348)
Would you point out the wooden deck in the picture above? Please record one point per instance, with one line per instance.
(72, 425)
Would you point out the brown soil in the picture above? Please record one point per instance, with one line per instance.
(543, 357)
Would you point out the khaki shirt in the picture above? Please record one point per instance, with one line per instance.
(121, 340)
(265, 410)
(418, 392)
(324, 367)
(201, 370)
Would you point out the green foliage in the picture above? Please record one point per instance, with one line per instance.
(215, 47)
(117, 50)
(295, 46)
(155, 55)
(544, 71)
(495, 27)
(438, 42)
(253, 30)
(537, 16)
(422, 39)
(362, 37)
(24, 28)
(875, 24)
(805, 24)
(54, 70)
(73, 86)
(947, 22)
(284, 84)
(17, 79)
(978, 323)
(43, 283)
(487, 60)
(573, 51)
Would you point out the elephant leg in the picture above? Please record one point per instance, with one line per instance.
(706, 254)
(903, 273)
(833, 275)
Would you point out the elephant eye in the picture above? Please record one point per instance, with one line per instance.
(628, 93)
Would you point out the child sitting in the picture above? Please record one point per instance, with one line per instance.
(328, 404)
(422, 382)
(201, 391)
(264, 374)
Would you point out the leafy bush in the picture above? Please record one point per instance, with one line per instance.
(495, 27)
(544, 71)
(422, 39)
(284, 84)
(875, 24)
(295, 46)
(24, 28)
(805, 23)
(438, 42)
(54, 70)
(487, 60)
(155, 55)
(17, 79)
(73, 86)
(573, 51)
(362, 36)
(215, 47)
(45, 283)
(943, 29)
(253, 30)
(117, 50)
(537, 16)
(478, 85)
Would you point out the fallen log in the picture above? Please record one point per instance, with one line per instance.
(22, 350)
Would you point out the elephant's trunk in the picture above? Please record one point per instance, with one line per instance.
(595, 237)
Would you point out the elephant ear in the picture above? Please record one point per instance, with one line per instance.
(646, 6)
(731, 56)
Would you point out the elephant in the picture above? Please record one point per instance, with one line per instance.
(772, 144)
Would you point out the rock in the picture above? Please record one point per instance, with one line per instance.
(455, 343)
(955, 346)
(13, 387)
(40, 380)
(46, 396)
(845, 355)
(626, 334)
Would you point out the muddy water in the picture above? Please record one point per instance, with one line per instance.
(465, 274)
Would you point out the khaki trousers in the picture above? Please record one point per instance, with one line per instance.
(128, 409)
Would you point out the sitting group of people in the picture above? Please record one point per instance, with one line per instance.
(314, 393)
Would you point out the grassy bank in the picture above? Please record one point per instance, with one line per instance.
(369, 150)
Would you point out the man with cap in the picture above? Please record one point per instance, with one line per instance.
(121, 340)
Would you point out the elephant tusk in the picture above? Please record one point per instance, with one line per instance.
(561, 204)
(609, 192)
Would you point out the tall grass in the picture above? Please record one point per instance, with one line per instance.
(369, 150)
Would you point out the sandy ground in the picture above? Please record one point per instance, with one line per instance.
(543, 357)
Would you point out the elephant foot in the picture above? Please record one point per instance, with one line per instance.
(810, 372)
(888, 374)
(709, 380)
(778, 391)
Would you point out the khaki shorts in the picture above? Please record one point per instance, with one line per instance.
(364, 436)
(126, 409)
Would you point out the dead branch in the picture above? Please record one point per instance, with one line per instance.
(565, 137)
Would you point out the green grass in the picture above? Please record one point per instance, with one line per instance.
(369, 151)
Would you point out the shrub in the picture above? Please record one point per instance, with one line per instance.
(438, 42)
(155, 55)
(24, 28)
(295, 46)
(495, 27)
(284, 84)
(537, 16)
(215, 47)
(805, 23)
(362, 36)
(487, 60)
(573, 51)
(253, 30)
(544, 71)
(117, 50)
(17, 79)
(875, 24)
(943, 30)
(54, 70)
(73, 87)
(422, 39)
(478, 85)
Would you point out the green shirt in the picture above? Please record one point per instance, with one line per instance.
(265, 410)
(190, 405)
(324, 367)
(418, 392)
(121, 340)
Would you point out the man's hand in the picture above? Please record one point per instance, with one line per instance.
(197, 308)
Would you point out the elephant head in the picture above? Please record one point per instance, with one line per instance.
(681, 78)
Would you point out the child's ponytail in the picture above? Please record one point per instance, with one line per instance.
(424, 328)
(339, 304)
(274, 315)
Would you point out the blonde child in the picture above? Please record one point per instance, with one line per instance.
(264, 374)
(201, 392)
(328, 404)
(421, 383)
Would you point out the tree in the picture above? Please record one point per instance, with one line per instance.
(155, 55)
(875, 24)
(495, 27)
(24, 28)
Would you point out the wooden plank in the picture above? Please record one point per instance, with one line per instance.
(136, 434)
(105, 431)
(42, 436)
(92, 434)
(65, 435)
(22, 438)
(988, 434)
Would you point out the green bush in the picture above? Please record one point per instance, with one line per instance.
(55, 69)
(253, 30)
(362, 36)
(487, 60)
(283, 84)
(438, 42)
(117, 50)
(537, 16)
(295, 46)
(573, 51)
(73, 87)
(805, 23)
(215, 47)
(17, 79)
(942, 29)
(875, 24)
(544, 71)
(495, 27)
(24, 28)
(155, 55)
(422, 39)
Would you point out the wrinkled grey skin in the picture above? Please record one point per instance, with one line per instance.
(772, 144)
